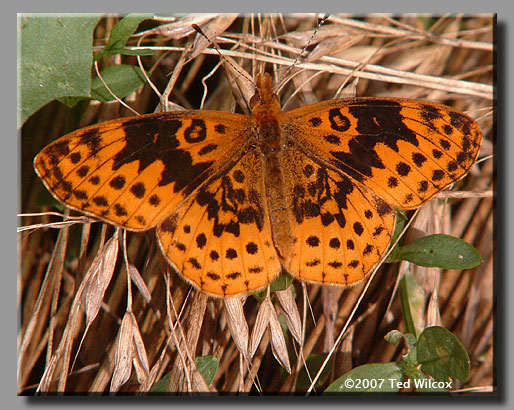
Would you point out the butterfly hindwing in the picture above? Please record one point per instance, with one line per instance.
(221, 238)
(340, 228)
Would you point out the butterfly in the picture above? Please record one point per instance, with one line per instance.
(235, 199)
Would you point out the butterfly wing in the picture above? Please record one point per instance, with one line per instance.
(220, 239)
(340, 228)
(352, 162)
(133, 172)
(403, 150)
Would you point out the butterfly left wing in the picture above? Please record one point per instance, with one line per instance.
(403, 150)
(133, 172)
(220, 239)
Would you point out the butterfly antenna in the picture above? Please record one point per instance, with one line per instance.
(282, 80)
(216, 47)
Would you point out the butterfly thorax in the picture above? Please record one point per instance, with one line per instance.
(270, 144)
(267, 114)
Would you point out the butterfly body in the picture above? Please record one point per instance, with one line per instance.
(235, 199)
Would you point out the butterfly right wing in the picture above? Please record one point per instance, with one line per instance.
(133, 172)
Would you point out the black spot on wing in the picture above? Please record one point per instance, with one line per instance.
(312, 263)
(313, 241)
(445, 144)
(154, 200)
(138, 190)
(220, 128)
(392, 182)
(335, 243)
(461, 122)
(252, 248)
(118, 182)
(423, 186)
(196, 132)
(418, 158)
(403, 169)
(75, 157)
(315, 121)
(332, 139)
(100, 201)
(338, 121)
(207, 148)
(436, 153)
(378, 121)
(155, 139)
(213, 276)
(120, 210)
(448, 129)
(233, 275)
(201, 240)
(80, 194)
(57, 150)
(194, 263)
(169, 224)
(93, 140)
(437, 175)
(82, 171)
(231, 253)
(429, 113)
(358, 228)
(239, 176)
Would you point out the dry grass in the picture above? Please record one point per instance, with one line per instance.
(132, 337)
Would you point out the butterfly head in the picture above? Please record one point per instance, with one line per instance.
(264, 97)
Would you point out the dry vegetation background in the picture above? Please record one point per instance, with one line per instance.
(446, 59)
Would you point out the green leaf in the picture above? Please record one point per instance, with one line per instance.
(44, 198)
(394, 337)
(125, 51)
(120, 34)
(400, 222)
(442, 355)
(122, 79)
(369, 378)
(55, 57)
(207, 366)
(282, 282)
(412, 297)
(313, 362)
(70, 101)
(439, 250)
(160, 386)
(424, 384)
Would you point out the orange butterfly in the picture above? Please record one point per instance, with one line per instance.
(236, 198)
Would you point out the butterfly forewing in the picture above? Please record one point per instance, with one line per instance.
(405, 151)
(133, 172)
